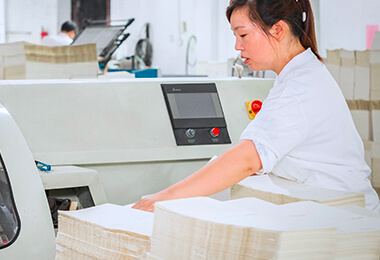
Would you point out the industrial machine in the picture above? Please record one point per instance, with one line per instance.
(26, 230)
(107, 37)
(117, 139)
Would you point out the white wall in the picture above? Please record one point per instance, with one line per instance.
(2, 21)
(343, 23)
(203, 18)
(340, 24)
(25, 19)
(64, 12)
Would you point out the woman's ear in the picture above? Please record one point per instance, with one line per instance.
(278, 30)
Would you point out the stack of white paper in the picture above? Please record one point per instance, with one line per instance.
(347, 73)
(360, 111)
(368, 156)
(362, 75)
(374, 61)
(104, 232)
(376, 41)
(21, 60)
(333, 63)
(376, 165)
(358, 229)
(281, 191)
(375, 110)
(203, 228)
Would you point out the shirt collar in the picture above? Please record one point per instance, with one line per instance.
(297, 61)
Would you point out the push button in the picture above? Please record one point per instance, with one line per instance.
(215, 132)
(253, 107)
(190, 133)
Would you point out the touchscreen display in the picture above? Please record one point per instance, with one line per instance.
(194, 105)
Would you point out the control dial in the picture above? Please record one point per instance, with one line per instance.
(190, 133)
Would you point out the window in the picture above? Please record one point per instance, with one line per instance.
(9, 219)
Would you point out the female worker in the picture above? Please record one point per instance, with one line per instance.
(304, 131)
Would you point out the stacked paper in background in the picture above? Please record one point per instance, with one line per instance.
(375, 110)
(104, 232)
(368, 156)
(333, 63)
(375, 74)
(203, 228)
(376, 41)
(360, 111)
(364, 104)
(376, 165)
(362, 76)
(347, 73)
(21, 60)
(281, 191)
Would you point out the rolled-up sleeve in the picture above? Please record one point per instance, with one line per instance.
(277, 129)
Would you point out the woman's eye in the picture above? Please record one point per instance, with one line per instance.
(243, 35)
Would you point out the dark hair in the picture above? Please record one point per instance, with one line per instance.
(68, 27)
(265, 13)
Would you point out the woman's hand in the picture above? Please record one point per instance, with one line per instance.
(148, 202)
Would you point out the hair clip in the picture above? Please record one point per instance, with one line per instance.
(303, 16)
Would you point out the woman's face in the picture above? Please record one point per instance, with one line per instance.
(255, 46)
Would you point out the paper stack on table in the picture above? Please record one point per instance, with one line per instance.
(280, 191)
(203, 228)
(107, 231)
(358, 229)
(21, 60)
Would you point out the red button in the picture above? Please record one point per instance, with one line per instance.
(215, 132)
(256, 106)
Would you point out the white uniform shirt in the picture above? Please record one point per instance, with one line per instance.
(58, 40)
(305, 132)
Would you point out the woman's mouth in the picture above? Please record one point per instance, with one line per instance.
(246, 61)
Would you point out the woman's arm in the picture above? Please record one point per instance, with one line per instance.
(228, 169)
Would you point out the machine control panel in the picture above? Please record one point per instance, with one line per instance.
(196, 114)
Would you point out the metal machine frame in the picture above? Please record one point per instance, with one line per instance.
(107, 37)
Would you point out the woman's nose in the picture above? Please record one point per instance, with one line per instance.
(238, 45)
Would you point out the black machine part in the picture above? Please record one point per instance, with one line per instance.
(144, 49)
(107, 38)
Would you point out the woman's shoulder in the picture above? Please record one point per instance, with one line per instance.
(312, 76)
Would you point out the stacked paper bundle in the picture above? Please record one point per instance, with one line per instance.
(347, 73)
(375, 112)
(358, 229)
(376, 41)
(360, 85)
(376, 165)
(203, 228)
(21, 60)
(360, 111)
(104, 232)
(362, 75)
(281, 191)
(333, 63)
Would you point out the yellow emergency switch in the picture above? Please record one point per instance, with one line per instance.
(253, 107)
